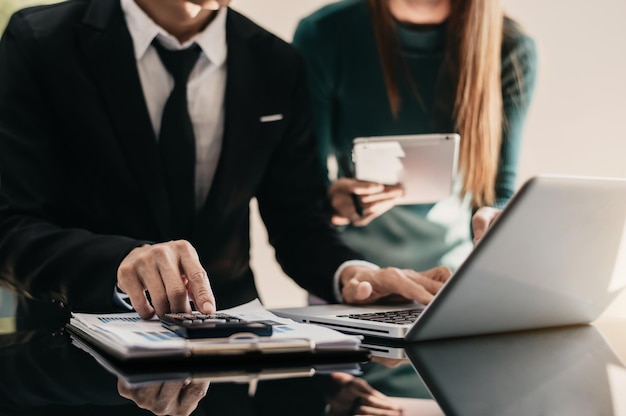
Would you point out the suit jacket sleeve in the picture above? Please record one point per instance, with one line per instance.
(41, 257)
(292, 198)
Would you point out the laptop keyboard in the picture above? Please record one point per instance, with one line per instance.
(401, 317)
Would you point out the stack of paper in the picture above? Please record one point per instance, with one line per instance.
(233, 372)
(127, 336)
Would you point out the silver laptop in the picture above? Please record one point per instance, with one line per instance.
(555, 256)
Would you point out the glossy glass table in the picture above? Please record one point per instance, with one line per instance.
(562, 371)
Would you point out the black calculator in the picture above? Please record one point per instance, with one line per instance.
(217, 325)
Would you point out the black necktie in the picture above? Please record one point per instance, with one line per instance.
(176, 139)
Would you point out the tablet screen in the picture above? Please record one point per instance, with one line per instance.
(425, 164)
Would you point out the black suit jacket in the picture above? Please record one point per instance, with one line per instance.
(81, 183)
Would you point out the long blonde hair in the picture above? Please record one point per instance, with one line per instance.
(472, 60)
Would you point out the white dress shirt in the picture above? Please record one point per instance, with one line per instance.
(206, 104)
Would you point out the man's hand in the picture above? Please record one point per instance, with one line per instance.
(171, 272)
(356, 397)
(364, 285)
(482, 220)
(168, 398)
(375, 199)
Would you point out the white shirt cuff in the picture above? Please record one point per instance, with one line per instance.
(336, 288)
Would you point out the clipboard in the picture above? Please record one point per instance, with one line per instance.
(140, 374)
(218, 368)
(236, 345)
(127, 338)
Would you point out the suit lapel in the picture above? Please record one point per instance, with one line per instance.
(108, 50)
(243, 105)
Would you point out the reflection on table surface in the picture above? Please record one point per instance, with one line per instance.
(44, 373)
(562, 371)
(576, 370)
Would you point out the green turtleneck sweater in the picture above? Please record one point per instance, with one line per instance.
(349, 100)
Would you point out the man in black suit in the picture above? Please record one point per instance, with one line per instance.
(85, 213)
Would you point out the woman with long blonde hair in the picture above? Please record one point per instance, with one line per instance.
(395, 67)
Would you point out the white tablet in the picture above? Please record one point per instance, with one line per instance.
(425, 164)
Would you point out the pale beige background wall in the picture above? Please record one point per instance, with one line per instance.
(576, 122)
